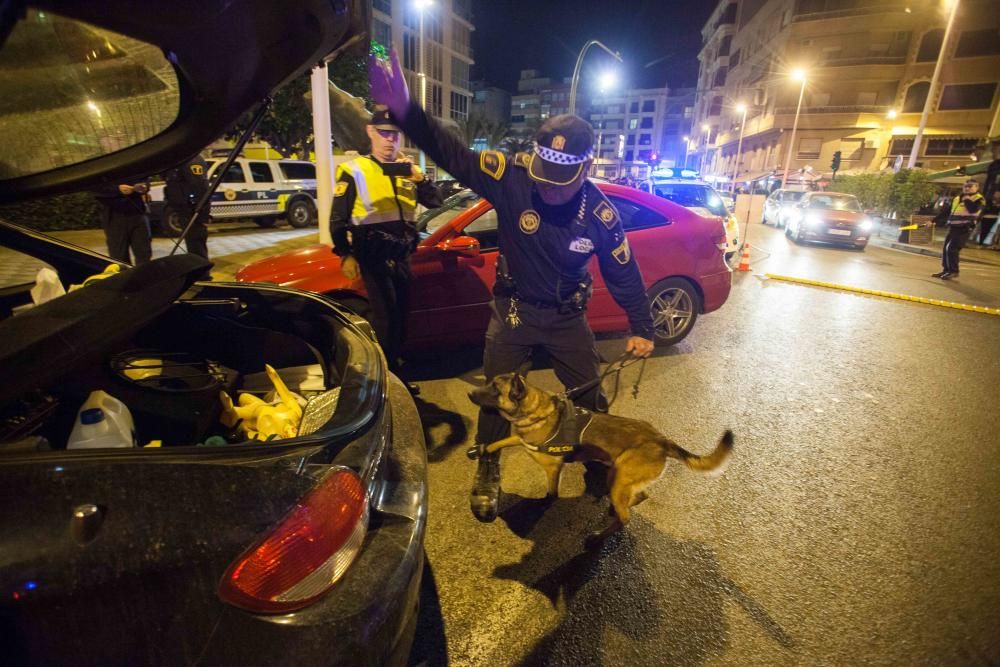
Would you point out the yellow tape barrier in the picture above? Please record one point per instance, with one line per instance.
(889, 295)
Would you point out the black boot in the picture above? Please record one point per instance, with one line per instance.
(485, 495)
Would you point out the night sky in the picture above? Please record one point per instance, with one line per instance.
(659, 40)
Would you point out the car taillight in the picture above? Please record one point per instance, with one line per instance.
(302, 557)
(721, 242)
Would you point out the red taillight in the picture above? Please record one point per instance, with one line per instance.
(306, 553)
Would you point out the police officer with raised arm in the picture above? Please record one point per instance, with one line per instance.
(372, 227)
(965, 211)
(551, 221)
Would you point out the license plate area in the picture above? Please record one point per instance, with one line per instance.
(839, 232)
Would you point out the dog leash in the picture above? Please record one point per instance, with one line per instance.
(615, 367)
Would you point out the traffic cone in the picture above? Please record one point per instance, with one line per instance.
(745, 260)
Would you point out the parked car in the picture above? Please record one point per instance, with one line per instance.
(265, 191)
(777, 205)
(703, 199)
(679, 252)
(304, 549)
(831, 217)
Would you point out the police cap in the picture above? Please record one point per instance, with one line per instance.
(563, 147)
(380, 119)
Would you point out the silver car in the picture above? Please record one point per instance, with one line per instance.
(777, 205)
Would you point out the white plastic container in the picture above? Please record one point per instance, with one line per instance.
(103, 422)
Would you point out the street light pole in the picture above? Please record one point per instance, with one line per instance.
(422, 5)
(912, 162)
(801, 76)
(706, 130)
(687, 148)
(743, 124)
(579, 64)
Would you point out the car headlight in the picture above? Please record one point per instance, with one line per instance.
(865, 225)
(812, 220)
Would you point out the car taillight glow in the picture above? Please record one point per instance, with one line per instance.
(302, 557)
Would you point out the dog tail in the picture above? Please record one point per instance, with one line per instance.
(714, 462)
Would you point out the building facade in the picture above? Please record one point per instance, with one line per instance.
(447, 52)
(490, 103)
(867, 64)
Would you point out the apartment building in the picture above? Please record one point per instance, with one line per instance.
(447, 51)
(867, 64)
(490, 102)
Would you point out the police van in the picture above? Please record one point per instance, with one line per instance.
(264, 191)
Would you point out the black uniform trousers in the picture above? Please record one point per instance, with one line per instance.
(565, 336)
(196, 240)
(124, 231)
(953, 244)
(388, 287)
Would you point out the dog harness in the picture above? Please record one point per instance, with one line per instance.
(566, 439)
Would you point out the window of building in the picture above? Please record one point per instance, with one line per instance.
(634, 107)
(382, 32)
(517, 119)
(720, 77)
(734, 59)
(975, 43)
(411, 15)
(725, 45)
(434, 99)
(432, 27)
(967, 96)
(961, 147)
(645, 139)
(930, 46)
(688, 112)
(631, 140)
(644, 156)
(410, 51)
(850, 149)
(716, 108)
(916, 96)
(613, 125)
(384, 6)
(461, 37)
(647, 123)
(433, 61)
(459, 106)
(629, 156)
(809, 149)
(901, 146)
(260, 172)
(459, 73)
(634, 123)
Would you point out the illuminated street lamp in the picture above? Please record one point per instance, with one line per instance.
(891, 114)
(422, 6)
(741, 108)
(798, 75)
(687, 148)
(576, 70)
(912, 162)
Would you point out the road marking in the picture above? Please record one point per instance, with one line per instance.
(985, 310)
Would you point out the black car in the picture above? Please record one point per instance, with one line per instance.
(203, 546)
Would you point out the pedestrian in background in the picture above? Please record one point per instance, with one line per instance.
(372, 227)
(126, 225)
(965, 210)
(185, 186)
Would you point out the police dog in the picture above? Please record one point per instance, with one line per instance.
(634, 451)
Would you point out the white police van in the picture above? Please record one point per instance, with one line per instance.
(261, 190)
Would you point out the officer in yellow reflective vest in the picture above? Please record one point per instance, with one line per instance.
(372, 227)
(965, 211)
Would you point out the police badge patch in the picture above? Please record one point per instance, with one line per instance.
(622, 253)
(197, 169)
(606, 214)
(529, 222)
(493, 163)
(341, 189)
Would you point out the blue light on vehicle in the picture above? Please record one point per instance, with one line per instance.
(689, 173)
(31, 585)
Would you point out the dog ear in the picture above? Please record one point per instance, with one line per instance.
(517, 389)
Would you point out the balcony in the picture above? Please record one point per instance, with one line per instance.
(850, 61)
(887, 7)
(850, 108)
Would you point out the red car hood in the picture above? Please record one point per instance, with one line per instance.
(314, 268)
(839, 217)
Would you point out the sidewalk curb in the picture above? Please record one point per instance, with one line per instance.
(917, 250)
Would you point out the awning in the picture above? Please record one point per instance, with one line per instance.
(959, 173)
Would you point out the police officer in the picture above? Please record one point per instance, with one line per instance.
(185, 186)
(551, 221)
(126, 225)
(372, 227)
(965, 210)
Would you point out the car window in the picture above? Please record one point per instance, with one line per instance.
(234, 174)
(432, 220)
(792, 195)
(635, 216)
(260, 172)
(834, 202)
(298, 171)
(691, 195)
(484, 228)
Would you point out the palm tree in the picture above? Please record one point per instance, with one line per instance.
(518, 143)
(469, 129)
(495, 132)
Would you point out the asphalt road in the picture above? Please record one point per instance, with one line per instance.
(858, 522)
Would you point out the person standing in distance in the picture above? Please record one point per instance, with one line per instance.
(965, 209)
(126, 225)
(372, 227)
(551, 220)
(185, 185)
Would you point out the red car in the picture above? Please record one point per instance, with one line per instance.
(680, 254)
(831, 217)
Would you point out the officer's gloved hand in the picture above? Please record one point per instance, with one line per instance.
(388, 85)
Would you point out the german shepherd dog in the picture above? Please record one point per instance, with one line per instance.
(635, 452)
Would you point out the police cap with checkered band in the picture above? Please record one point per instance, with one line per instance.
(563, 148)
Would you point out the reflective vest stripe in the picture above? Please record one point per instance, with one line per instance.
(360, 184)
(376, 199)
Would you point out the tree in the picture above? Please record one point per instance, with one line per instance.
(288, 125)
(469, 128)
(518, 143)
(495, 132)
(901, 193)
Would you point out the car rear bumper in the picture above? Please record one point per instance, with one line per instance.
(715, 290)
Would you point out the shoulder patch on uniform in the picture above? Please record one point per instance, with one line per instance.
(522, 160)
(622, 253)
(607, 214)
(341, 189)
(493, 163)
(197, 169)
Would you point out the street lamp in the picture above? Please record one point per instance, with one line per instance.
(891, 114)
(742, 108)
(576, 70)
(912, 162)
(798, 75)
(606, 81)
(421, 6)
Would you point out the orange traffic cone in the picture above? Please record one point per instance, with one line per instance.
(745, 260)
